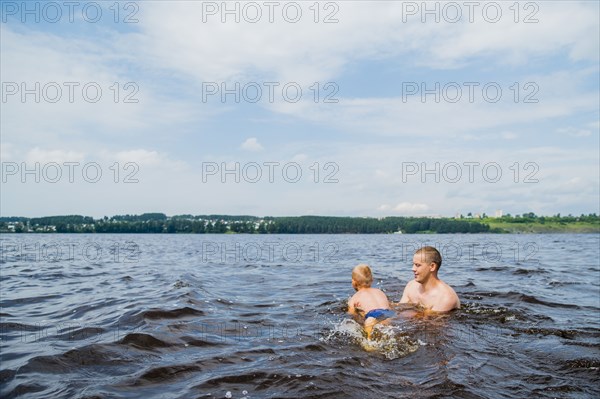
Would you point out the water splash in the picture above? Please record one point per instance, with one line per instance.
(390, 341)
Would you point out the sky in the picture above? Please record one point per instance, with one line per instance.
(342, 108)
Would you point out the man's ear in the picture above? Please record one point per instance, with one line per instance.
(432, 266)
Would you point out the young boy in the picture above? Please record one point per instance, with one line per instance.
(368, 303)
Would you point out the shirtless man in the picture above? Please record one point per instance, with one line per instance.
(427, 290)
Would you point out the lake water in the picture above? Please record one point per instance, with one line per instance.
(263, 316)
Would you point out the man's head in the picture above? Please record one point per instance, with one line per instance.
(361, 277)
(426, 262)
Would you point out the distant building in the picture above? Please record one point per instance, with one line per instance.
(498, 213)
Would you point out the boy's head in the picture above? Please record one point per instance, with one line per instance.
(361, 277)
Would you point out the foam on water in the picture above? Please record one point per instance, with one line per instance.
(388, 340)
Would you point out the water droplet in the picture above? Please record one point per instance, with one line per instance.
(228, 395)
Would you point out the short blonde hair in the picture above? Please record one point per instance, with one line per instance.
(431, 255)
(362, 275)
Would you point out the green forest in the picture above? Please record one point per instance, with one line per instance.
(159, 223)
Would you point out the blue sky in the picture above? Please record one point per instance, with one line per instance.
(373, 60)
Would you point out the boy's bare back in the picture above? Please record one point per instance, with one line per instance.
(367, 299)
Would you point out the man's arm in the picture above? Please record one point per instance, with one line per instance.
(405, 298)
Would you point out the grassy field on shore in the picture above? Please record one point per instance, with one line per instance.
(541, 228)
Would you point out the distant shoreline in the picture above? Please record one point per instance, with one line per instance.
(550, 228)
(159, 223)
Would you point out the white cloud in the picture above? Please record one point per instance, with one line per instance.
(82, 123)
(381, 174)
(575, 132)
(508, 135)
(560, 94)
(252, 144)
(7, 151)
(407, 208)
(147, 159)
(299, 158)
(59, 156)
(459, 43)
(139, 156)
(306, 52)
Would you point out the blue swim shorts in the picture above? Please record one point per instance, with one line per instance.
(380, 314)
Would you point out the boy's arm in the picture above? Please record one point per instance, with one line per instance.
(354, 307)
(351, 308)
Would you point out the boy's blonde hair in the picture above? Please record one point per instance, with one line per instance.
(362, 275)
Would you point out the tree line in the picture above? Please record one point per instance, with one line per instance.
(158, 223)
(202, 224)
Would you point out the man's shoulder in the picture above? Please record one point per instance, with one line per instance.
(450, 298)
(448, 288)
